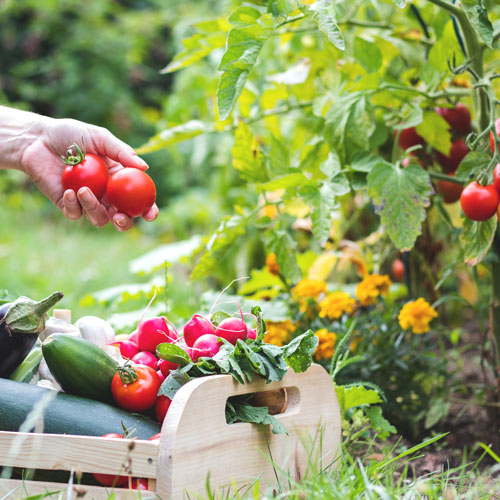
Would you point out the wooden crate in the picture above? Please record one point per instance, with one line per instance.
(195, 442)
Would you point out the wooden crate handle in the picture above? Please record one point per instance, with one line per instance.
(196, 440)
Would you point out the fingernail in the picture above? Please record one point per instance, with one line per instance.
(141, 162)
(84, 194)
(120, 221)
(71, 197)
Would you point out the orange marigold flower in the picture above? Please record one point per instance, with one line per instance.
(417, 315)
(271, 264)
(308, 288)
(326, 344)
(371, 287)
(278, 333)
(335, 304)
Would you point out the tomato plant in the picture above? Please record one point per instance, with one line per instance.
(458, 152)
(135, 388)
(492, 139)
(398, 270)
(408, 138)
(496, 177)
(84, 170)
(458, 118)
(131, 191)
(110, 479)
(479, 203)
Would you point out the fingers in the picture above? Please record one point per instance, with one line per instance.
(108, 145)
(151, 214)
(71, 208)
(122, 222)
(94, 210)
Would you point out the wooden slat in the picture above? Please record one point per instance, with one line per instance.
(21, 489)
(83, 453)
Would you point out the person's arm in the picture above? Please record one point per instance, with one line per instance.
(34, 144)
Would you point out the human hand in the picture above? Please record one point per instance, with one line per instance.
(41, 160)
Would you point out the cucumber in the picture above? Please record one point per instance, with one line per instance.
(80, 367)
(68, 414)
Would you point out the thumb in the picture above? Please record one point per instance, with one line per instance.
(117, 150)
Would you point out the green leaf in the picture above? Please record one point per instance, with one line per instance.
(477, 14)
(439, 408)
(476, 239)
(173, 135)
(285, 181)
(242, 49)
(350, 123)
(313, 156)
(175, 380)
(226, 235)
(400, 196)
(446, 50)
(164, 255)
(260, 279)
(472, 164)
(400, 3)
(367, 54)
(322, 201)
(380, 425)
(324, 16)
(436, 131)
(413, 119)
(281, 7)
(244, 16)
(283, 246)
(173, 353)
(243, 412)
(351, 397)
(299, 351)
(279, 157)
(217, 317)
(362, 162)
(196, 48)
(247, 156)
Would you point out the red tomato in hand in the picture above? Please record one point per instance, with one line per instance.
(478, 202)
(110, 479)
(450, 191)
(91, 172)
(458, 118)
(492, 139)
(135, 388)
(131, 191)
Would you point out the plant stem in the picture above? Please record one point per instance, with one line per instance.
(444, 177)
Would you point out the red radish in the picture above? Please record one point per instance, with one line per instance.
(155, 437)
(161, 407)
(166, 366)
(252, 333)
(145, 358)
(195, 328)
(139, 484)
(162, 377)
(205, 346)
(133, 337)
(127, 348)
(232, 329)
(154, 331)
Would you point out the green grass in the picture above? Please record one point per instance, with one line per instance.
(41, 251)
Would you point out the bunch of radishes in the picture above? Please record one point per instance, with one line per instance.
(199, 339)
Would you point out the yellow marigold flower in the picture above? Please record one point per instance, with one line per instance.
(371, 287)
(335, 304)
(326, 344)
(271, 264)
(417, 315)
(278, 333)
(309, 288)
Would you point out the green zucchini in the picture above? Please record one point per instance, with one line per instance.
(25, 371)
(68, 414)
(80, 367)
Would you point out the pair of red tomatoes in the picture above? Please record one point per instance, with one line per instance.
(130, 190)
